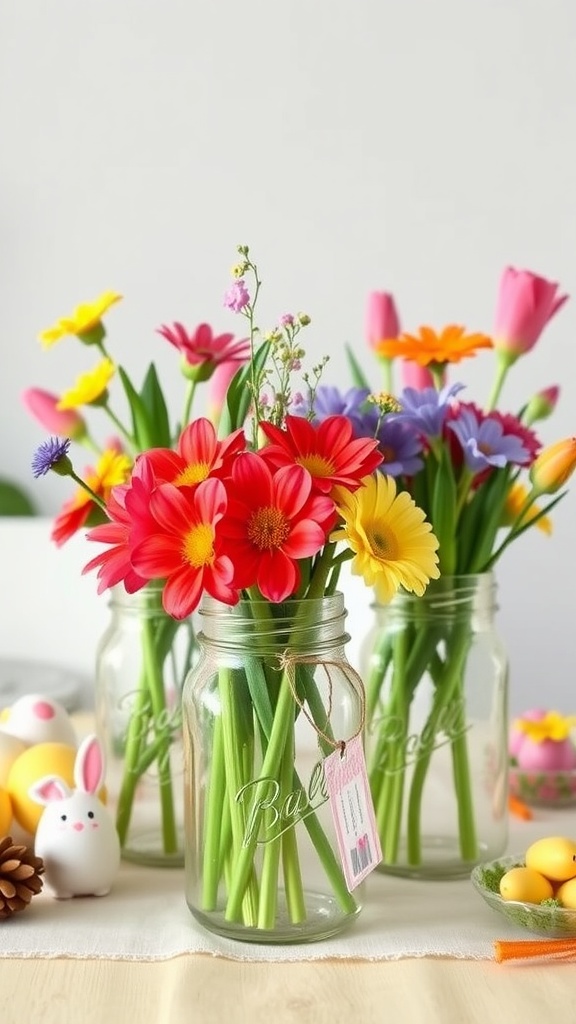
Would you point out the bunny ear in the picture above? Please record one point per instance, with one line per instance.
(89, 765)
(48, 789)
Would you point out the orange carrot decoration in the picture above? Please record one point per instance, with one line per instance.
(534, 949)
(517, 807)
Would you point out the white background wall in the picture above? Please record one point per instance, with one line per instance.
(416, 146)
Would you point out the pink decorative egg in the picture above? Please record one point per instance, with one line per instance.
(517, 737)
(547, 756)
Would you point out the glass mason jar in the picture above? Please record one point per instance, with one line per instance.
(141, 663)
(270, 697)
(436, 728)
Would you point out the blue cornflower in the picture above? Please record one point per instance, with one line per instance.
(50, 454)
(425, 409)
(330, 401)
(400, 445)
(485, 443)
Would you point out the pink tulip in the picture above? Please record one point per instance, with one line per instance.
(526, 302)
(63, 423)
(381, 318)
(415, 376)
(218, 387)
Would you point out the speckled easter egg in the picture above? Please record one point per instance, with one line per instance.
(10, 748)
(5, 813)
(554, 857)
(31, 765)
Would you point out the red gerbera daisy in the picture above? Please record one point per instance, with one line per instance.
(328, 450)
(183, 547)
(128, 509)
(199, 454)
(276, 520)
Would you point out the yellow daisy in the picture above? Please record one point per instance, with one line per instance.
(89, 386)
(514, 504)
(84, 319)
(450, 345)
(393, 543)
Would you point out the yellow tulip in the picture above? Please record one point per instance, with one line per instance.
(554, 466)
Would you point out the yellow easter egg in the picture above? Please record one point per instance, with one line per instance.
(526, 885)
(5, 813)
(10, 748)
(35, 762)
(566, 893)
(554, 857)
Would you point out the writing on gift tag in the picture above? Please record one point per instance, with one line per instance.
(353, 812)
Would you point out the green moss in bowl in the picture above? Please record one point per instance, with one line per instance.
(547, 918)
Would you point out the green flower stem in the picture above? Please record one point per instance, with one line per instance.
(188, 400)
(137, 728)
(396, 769)
(379, 664)
(213, 820)
(290, 860)
(246, 906)
(446, 687)
(463, 785)
(162, 729)
(245, 846)
(504, 362)
(331, 865)
(128, 437)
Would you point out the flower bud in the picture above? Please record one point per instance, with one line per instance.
(554, 466)
(43, 406)
(541, 405)
(382, 321)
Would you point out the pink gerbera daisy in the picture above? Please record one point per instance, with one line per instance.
(202, 348)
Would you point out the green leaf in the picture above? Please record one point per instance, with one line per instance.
(444, 499)
(153, 399)
(140, 426)
(14, 501)
(239, 395)
(358, 375)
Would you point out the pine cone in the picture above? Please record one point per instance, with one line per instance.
(20, 877)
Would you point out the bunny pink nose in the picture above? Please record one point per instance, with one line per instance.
(78, 825)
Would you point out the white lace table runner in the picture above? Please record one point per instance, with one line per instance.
(145, 917)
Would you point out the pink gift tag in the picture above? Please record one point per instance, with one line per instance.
(353, 812)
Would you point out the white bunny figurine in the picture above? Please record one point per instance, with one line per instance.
(76, 835)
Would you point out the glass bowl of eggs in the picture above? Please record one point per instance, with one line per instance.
(542, 770)
(526, 894)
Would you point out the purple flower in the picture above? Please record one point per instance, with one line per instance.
(425, 409)
(237, 297)
(286, 320)
(49, 454)
(400, 445)
(484, 443)
(330, 401)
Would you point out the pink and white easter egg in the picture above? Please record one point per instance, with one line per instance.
(546, 756)
(517, 736)
(35, 718)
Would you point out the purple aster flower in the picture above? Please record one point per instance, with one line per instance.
(237, 296)
(400, 445)
(425, 409)
(330, 401)
(484, 443)
(49, 454)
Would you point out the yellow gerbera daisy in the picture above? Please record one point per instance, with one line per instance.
(84, 318)
(514, 504)
(448, 346)
(89, 386)
(393, 543)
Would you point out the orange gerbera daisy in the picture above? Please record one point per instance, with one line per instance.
(450, 345)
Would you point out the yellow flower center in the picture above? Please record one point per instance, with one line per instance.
(316, 464)
(268, 528)
(199, 545)
(195, 473)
